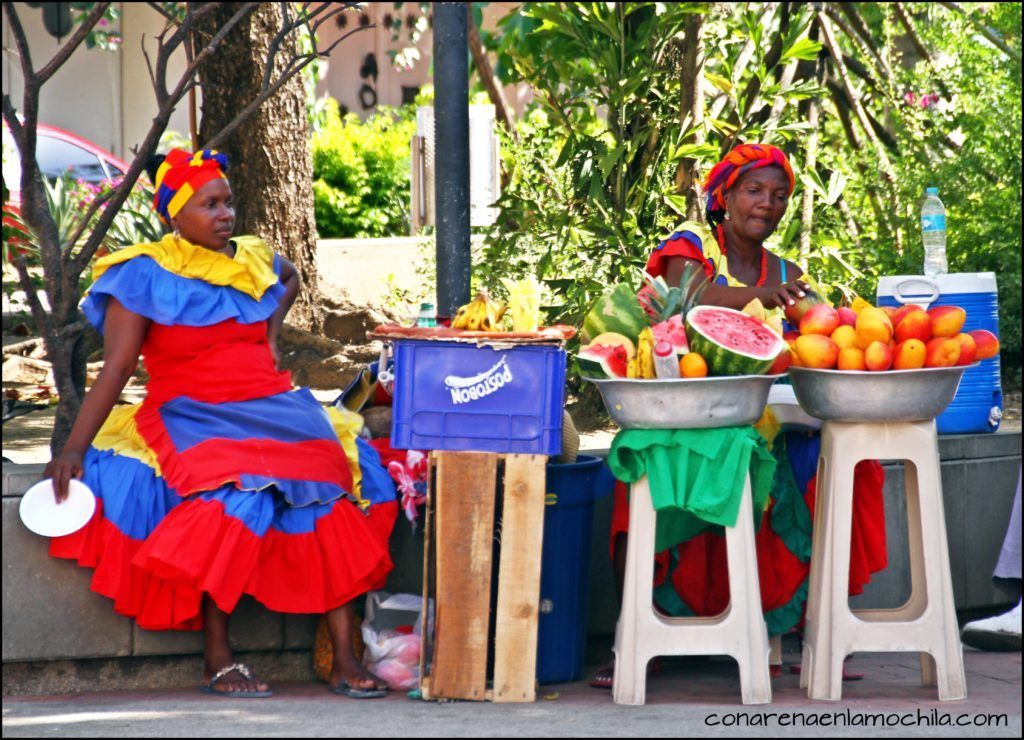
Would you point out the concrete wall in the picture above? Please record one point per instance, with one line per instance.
(342, 81)
(103, 96)
(84, 96)
(50, 614)
(107, 97)
(141, 25)
(398, 271)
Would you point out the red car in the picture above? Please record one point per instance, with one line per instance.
(59, 151)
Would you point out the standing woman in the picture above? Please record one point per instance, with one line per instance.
(224, 480)
(747, 195)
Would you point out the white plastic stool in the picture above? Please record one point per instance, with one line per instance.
(642, 633)
(927, 622)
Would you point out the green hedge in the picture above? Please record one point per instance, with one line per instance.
(361, 173)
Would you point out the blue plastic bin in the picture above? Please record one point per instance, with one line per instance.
(565, 566)
(456, 396)
(978, 405)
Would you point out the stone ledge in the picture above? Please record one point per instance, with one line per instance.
(152, 672)
(49, 613)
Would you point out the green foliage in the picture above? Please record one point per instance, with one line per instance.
(979, 182)
(588, 193)
(69, 201)
(361, 173)
(590, 179)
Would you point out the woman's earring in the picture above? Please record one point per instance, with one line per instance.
(177, 233)
(728, 216)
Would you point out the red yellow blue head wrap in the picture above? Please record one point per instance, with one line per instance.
(181, 174)
(740, 160)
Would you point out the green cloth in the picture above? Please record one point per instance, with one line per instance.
(696, 475)
(782, 619)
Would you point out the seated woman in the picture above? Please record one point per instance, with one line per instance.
(747, 196)
(225, 480)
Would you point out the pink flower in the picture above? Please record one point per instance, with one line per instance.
(411, 477)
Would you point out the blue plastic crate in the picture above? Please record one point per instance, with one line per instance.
(456, 396)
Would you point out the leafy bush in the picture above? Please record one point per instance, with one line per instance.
(590, 190)
(361, 184)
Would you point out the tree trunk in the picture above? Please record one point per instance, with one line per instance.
(271, 166)
(692, 107)
(486, 74)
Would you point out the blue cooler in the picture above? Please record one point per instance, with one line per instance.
(978, 405)
(463, 396)
(565, 566)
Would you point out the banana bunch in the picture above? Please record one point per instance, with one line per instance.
(645, 355)
(524, 301)
(481, 314)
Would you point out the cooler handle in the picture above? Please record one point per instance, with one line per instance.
(921, 299)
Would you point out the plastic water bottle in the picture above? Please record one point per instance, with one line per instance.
(666, 364)
(426, 317)
(933, 231)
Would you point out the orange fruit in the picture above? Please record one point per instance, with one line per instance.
(693, 366)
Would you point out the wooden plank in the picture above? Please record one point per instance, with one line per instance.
(426, 638)
(522, 535)
(464, 529)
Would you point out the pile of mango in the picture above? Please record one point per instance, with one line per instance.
(866, 337)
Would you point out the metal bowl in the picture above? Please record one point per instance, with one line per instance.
(890, 396)
(782, 402)
(686, 403)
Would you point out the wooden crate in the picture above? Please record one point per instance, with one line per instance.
(458, 562)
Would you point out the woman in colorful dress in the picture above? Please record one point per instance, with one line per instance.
(225, 480)
(747, 196)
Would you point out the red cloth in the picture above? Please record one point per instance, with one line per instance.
(701, 577)
(677, 245)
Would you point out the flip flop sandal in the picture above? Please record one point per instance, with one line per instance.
(848, 675)
(208, 688)
(344, 688)
(605, 677)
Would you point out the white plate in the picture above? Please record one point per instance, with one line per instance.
(43, 515)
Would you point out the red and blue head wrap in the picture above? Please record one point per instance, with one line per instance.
(181, 174)
(740, 160)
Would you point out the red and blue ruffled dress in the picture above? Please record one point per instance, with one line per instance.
(225, 480)
(690, 579)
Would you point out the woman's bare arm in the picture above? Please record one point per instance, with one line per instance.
(730, 297)
(124, 333)
(290, 280)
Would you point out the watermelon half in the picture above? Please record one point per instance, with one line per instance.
(731, 342)
(617, 311)
(603, 361)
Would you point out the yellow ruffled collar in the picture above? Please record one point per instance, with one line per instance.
(251, 271)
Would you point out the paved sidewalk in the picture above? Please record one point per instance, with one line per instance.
(690, 697)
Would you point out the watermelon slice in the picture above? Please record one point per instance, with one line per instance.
(674, 332)
(612, 339)
(617, 311)
(603, 361)
(731, 342)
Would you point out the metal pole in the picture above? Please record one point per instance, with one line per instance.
(451, 156)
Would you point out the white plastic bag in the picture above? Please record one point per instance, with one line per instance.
(392, 652)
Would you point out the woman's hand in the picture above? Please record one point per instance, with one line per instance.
(61, 469)
(787, 294)
(274, 352)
